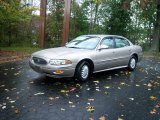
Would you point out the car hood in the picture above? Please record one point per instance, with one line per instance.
(61, 53)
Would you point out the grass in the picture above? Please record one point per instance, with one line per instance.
(33, 49)
(151, 54)
(23, 49)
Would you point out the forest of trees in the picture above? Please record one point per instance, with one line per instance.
(138, 20)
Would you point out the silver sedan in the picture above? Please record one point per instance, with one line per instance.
(85, 55)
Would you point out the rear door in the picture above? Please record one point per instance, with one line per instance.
(122, 51)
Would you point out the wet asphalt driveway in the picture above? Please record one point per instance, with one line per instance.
(112, 95)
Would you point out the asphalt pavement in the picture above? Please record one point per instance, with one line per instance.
(111, 95)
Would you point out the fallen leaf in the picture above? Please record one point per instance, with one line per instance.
(51, 98)
(72, 106)
(64, 91)
(88, 89)
(12, 101)
(2, 86)
(91, 118)
(153, 98)
(107, 87)
(3, 107)
(78, 85)
(89, 103)
(131, 99)
(40, 93)
(158, 77)
(5, 73)
(116, 75)
(107, 93)
(62, 109)
(109, 78)
(16, 74)
(149, 85)
(77, 95)
(121, 105)
(154, 111)
(72, 89)
(12, 68)
(70, 102)
(158, 105)
(97, 90)
(4, 104)
(103, 118)
(119, 88)
(17, 111)
(90, 99)
(31, 82)
(7, 98)
(12, 106)
(90, 109)
(13, 88)
(120, 118)
(122, 83)
(96, 81)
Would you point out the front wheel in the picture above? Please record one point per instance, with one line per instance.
(132, 63)
(83, 71)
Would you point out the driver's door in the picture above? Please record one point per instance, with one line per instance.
(105, 56)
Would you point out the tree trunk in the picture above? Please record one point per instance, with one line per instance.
(96, 13)
(156, 33)
(91, 19)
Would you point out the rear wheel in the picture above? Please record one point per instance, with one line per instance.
(132, 63)
(83, 71)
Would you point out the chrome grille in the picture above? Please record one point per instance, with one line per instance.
(39, 60)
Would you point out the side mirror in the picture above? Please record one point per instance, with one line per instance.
(66, 43)
(103, 47)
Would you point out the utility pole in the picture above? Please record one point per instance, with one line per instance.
(42, 26)
(67, 12)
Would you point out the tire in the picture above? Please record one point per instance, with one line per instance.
(132, 63)
(83, 71)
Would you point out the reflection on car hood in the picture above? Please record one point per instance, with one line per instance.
(59, 53)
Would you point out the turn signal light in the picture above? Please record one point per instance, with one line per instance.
(59, 72)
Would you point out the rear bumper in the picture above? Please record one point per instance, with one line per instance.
(50, 70)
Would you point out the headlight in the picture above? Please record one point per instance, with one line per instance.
(59, 62)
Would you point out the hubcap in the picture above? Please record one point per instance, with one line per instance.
(85, 72)
(133, 63)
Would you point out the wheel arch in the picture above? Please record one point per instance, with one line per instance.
(135, 55)
(87, 60)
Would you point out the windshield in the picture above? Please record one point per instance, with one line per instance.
(84, 42)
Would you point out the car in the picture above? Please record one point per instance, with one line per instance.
(85, 55)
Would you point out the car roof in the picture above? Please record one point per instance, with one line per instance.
(102, 35)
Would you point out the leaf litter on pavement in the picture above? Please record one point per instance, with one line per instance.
(91, 108)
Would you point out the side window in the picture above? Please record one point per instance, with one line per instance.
(108, 42)
(120, 42)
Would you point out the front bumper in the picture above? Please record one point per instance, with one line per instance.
(50, 70)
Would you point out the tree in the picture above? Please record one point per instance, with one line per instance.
(79, 21)
(12, 15)
(55, 23)
(156, 32)
(118, 18)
